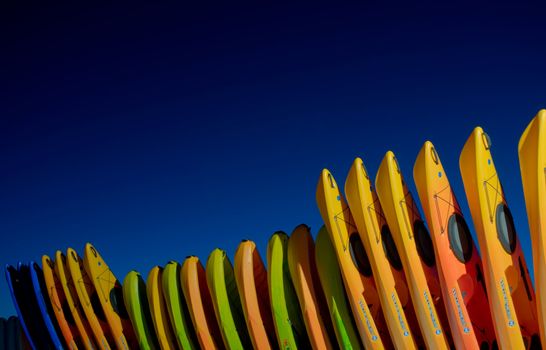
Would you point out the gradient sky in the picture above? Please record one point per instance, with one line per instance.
(157, 132)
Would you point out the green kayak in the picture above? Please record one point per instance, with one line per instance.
(226, 301)
(289, 324)
(136, 302)
(178, 310)
(332, 284)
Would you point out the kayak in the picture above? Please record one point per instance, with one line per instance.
(226, 301)
(384, 258)
(509, 289)
(110, 296)
(73, 309)
(158, 310)
(176, 306)
(88, 300)
(532, 162)
(251, 279)
(416, 252)
(199, 301)
(303, 270)
(459, 264)
(332, 284)
(57, 300)
(32, 277)
(289, 325)
(44, 308)
(26, 308)
(353, 263)
(136, 303)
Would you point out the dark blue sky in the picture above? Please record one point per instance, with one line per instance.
(157, 132)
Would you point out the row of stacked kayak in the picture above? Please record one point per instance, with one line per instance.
(411, 288)
(373, 278)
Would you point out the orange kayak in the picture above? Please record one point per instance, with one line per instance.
(416, 252)
(459, 264)
(251, 279)
(72, 301)
(196, 292)
(158, 309)
(303, 270)
(58, 300)
(353, 263)
(509, 288)
(384, 258)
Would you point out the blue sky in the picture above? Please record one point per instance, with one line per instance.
(160, 131)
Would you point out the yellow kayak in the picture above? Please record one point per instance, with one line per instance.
(303, 270)
(72, 300)
(110, 296)
(88, 299)
(357, 274)
(193, 280)
(158, 310)
(459, 264)
(57, 300)
(509, 288)
(416, 251)
(384, 259)
(251, 278)
(532, 162)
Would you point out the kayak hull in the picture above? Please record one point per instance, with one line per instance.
(459, 264)
(384, 259)
(357, 277)
(509, 289)
(303, 271)
(332, 284)
(251, 278)
(415, 249)
(287, 318)
(532, 160)
(158, 310)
